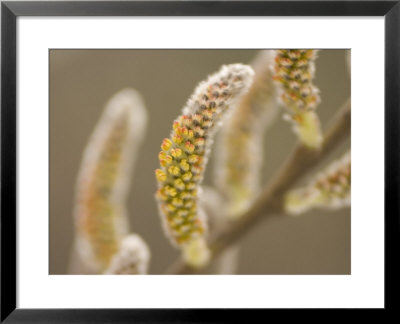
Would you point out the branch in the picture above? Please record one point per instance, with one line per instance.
(270, 201)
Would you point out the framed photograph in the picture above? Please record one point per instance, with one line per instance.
(192, 161)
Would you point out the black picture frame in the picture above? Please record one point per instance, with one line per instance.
(10, 11)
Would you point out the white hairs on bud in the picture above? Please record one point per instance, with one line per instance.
(239, 147)
(330, 189)
(104, 179)
(133, 257)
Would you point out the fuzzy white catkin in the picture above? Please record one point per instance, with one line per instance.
(329, 189)
(184, 157)
(239, 150)
(133, 257)
(104, 179)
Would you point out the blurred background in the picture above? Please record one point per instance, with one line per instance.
(82, 81)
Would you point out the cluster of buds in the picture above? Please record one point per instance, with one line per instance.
(103, 181)
(330, 189)
(239, 150)
(184, 156)
(294, 72)
(132, 258)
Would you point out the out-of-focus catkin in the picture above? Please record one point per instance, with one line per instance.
(184, 156)
(104, 178)
(239, 151)
(132, 258)
(294, 73)
(329, 189)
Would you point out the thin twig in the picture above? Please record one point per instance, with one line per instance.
(270, 201)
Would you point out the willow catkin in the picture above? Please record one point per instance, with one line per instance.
(184, 156)
(294, 73)
(132, 258)
(104, 178)
(239, 147)
(329, 189)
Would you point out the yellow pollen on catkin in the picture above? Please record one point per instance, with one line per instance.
(193, 158)
(178, 183)
(199, 141)
(184, 165)
(188, 145)
(187, 176)
(170, 191)
(166, 144)
(168, 159)
(160, 175)
(177, 139)
(176, 152)
(174, 170)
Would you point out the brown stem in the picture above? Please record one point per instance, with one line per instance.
(270, 201)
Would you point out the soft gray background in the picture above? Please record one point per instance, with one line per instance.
(81, 82)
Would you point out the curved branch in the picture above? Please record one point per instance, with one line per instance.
(270, 201)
